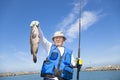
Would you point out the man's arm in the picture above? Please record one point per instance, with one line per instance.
(45, 43)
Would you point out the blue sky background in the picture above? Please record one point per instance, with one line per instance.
(100, 36)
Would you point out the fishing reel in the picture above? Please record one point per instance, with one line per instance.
(79, 62)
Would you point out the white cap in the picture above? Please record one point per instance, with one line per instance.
(59, 33)
(34, 23)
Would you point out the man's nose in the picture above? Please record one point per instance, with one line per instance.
(57, 38)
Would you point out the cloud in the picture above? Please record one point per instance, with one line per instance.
(71, 17)
(70, 24)
(88, 18)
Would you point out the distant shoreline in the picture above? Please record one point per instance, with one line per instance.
(101, 68)
(7, 74)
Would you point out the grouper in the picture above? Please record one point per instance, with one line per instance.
(34, 39)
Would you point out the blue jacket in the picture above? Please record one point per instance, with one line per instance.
(56, 65)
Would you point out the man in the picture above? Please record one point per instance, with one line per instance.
(60, 61)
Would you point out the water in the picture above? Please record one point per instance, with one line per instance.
(95, 75)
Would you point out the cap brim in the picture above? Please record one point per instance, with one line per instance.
(57, 36)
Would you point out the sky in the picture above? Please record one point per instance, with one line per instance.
(100, 31)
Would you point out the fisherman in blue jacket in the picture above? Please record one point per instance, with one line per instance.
(60, 61)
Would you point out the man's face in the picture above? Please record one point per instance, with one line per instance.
(58, 41)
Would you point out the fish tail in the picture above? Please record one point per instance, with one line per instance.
(34, 58)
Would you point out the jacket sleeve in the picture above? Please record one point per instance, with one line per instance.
(45, 43)
(73, 61)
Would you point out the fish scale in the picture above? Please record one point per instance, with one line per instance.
(34, 39)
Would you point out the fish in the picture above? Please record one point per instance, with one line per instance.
(34, 39)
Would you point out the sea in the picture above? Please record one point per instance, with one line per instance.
(92, 75)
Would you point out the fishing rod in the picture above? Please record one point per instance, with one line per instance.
(79, 38)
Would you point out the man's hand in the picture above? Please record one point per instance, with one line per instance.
(34, 23)
(79, 62)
